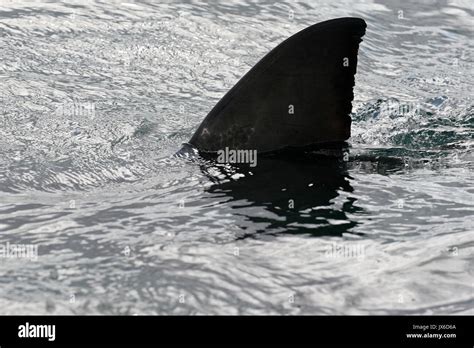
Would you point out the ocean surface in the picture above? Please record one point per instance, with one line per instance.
(96, 217)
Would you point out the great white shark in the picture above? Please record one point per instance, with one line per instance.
(296, 98)
(292, 110)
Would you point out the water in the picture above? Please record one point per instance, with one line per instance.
(95, 97)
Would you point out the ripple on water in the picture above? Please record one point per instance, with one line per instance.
(95, 97)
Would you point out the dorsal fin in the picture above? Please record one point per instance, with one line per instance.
(299, 94)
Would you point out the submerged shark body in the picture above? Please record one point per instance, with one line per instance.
(297, 98)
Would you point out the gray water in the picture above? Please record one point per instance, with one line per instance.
(96, 96)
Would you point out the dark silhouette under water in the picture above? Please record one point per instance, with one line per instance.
(299, 189)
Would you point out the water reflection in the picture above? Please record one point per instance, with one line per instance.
(309, 194)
